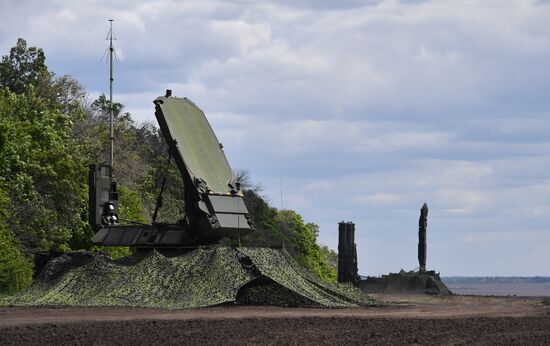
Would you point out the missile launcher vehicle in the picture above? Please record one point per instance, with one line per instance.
(214, 205)
(419, 281)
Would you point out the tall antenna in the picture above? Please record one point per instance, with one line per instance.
(111, 128)
(281, 219)
(281, 192)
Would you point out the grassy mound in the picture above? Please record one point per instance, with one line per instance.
(200, 278)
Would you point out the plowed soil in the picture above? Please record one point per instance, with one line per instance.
(407, 320)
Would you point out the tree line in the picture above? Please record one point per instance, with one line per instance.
(50, 132)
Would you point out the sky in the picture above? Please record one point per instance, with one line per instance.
(363, 109)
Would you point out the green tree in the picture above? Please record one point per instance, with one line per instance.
(331, 256)
(15, 268)
(300, 240)
(3, 136)
(101, 106)
(44, 176)
(23, 67)
(130, 207)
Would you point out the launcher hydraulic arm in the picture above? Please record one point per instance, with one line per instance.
(214, 204)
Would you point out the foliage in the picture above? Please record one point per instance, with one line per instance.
(331, 256)
(24, 70)
(102, 107)
(3, 136)
(265, 221)
(172, 207)
(43, 175)
(301, 241)
(41, 166)
(23, 67)
(15, 268)
(129, 205)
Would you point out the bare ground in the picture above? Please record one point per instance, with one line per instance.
(408, 320)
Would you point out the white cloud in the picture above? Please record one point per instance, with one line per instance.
(380, 199)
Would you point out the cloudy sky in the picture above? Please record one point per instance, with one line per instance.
(366, 109)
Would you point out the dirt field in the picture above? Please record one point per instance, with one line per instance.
(409, 320)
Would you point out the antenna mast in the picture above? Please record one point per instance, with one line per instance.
(281, 192)
(111, 132)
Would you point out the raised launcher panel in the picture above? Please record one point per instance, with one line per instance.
(211, 190)
(214, 204)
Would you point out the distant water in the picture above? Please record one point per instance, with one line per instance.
(500, 288)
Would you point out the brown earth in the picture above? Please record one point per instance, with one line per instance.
(408, 320)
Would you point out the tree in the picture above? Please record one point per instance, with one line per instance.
(15, 268)
(101, 106)
(301, 242)
(331, 256)
(22, 68)
(25, 68)
(44, 177)
(3, 136)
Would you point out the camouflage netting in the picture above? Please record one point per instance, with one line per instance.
(200, 278)
(406, 282)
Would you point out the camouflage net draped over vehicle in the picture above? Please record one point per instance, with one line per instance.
(203, 277)
(406, 282)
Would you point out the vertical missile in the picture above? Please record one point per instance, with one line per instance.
(422, 248)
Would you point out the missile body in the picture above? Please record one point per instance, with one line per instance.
(422, 247)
